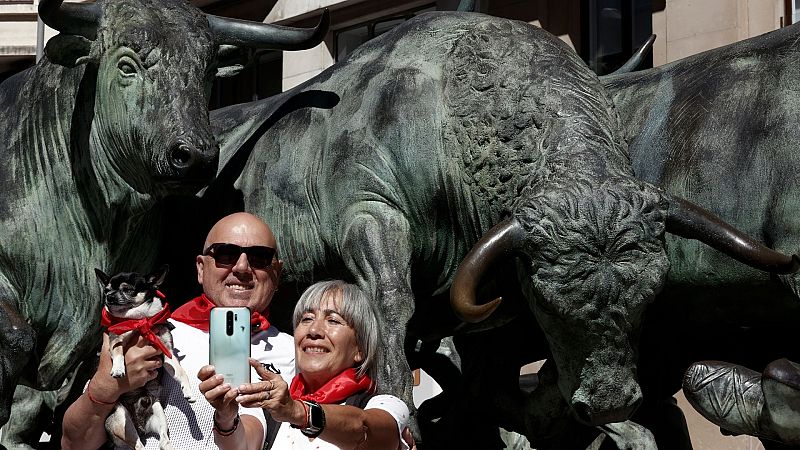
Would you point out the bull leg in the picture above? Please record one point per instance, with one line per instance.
(377, 250)
(30, 416)
(17, 342)
(35, 412)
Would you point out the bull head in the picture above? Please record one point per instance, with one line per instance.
(155, 61)
(591, 257)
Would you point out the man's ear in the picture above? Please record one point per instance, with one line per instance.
(199, 264)
(68, 50)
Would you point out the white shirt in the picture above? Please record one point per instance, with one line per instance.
(289, 438)
(190, 423)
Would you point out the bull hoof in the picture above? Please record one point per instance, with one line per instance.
(781, 386)
(118, 373)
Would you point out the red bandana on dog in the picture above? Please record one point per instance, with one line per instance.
(144, 326)
(334, 391)
(196, 313)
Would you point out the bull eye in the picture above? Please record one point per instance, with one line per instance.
(126, 67)
(628, 247)
(546, 307)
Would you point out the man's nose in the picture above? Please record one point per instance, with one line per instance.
(242, 264)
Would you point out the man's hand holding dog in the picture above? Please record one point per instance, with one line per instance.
(142, 361)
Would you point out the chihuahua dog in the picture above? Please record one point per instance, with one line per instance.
(133, 306)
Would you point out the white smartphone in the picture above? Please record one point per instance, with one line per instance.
(229, 343)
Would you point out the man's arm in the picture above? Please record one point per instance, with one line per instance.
(84, 421)
(247, 433)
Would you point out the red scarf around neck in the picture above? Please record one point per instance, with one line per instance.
(334, 391)
(119, 325)
(196, 312)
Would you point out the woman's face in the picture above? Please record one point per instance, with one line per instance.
(325, 344)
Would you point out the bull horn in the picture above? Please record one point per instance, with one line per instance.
(250, 34)
(71, 18)
(688, 220)
(497, 243)
(635, 61)
(466, 6)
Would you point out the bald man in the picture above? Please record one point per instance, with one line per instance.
(238, 266)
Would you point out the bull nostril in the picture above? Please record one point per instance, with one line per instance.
(182, 155)
(582, 412)
(635, 405)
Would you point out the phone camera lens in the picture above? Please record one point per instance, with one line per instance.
(229, 323)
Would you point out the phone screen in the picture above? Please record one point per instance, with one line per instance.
(229, 343)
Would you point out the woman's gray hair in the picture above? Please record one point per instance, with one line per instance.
(356, 309)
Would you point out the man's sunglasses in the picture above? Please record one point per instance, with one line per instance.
(259, 256)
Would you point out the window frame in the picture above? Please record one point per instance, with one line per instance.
(371, 24)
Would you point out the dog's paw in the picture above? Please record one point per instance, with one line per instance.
(188, 396)
(118, 373)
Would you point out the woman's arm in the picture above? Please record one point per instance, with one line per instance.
(347, 427)
(352, 427)
(83, 426)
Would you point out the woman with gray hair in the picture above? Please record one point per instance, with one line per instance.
(330, 402)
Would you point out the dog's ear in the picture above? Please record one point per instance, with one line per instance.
(157, 278)
(102, 277)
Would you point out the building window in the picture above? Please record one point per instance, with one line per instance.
(615, 29)
(795, 10)
(348, 39)
(261, 78)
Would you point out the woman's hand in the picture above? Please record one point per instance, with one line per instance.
(219, 394)
(272, 394)
(142, 361)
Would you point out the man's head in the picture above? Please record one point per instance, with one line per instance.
(243, 279)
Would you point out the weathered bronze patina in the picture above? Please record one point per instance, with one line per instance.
(721, 129)
(112, 120)
(387, 167)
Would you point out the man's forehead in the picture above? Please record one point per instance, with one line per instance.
(241, 234)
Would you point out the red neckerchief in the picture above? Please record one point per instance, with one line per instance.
(196, 313)
(144, 326)
(334, 391)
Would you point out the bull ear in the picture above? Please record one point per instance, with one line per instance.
(68, 50)
(232, 59)
(102, 277)
(157, 278)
